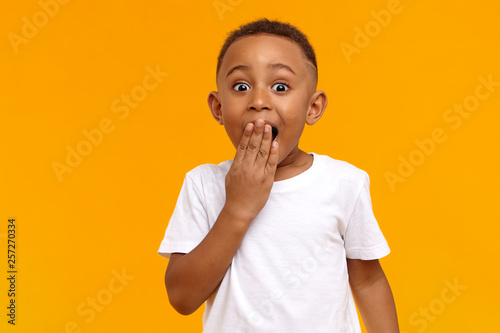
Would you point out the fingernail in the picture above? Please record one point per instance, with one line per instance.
(259, 123)
(267, 128)
(249, 127)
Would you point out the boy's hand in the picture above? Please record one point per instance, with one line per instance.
(251, 176)
(192, 277)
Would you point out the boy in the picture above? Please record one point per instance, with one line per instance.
(276, 240)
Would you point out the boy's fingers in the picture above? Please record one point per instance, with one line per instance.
(255, 141)
(265, 145)
(272, 161)
(245, 139)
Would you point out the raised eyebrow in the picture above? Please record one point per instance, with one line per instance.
(238, 67)
(280, 65)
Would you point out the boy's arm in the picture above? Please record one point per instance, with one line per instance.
(373, 296)
(191, 278)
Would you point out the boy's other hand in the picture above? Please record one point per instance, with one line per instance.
(251, 176)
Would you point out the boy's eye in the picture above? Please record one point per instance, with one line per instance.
(241, 87)
(280, 87)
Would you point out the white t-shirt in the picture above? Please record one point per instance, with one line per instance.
(290, 272)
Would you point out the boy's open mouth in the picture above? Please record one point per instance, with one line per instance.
(274, 132)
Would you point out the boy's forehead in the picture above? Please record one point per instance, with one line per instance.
(264, 48)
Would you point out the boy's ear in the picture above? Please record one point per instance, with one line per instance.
(317, 107)
(215, 106)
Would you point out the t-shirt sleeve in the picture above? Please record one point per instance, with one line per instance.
(363, 238)
(189, 223)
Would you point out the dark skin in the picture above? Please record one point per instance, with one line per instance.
(265, 81)
(191, 278)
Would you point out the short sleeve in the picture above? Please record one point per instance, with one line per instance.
(363, 238)
(189, 223)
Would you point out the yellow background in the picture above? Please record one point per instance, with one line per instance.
(109, 214)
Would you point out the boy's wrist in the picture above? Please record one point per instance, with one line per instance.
(237, 215)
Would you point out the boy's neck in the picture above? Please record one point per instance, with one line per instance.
(294, 164)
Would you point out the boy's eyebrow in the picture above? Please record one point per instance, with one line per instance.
(279, 65)
(275, 66)
(240, 67)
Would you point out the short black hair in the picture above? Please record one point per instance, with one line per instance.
(274, 27)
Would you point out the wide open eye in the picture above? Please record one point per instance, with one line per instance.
(241, 87)
(280, 87)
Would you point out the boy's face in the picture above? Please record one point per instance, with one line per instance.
(266, 77)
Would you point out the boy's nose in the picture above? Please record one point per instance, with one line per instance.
(259, 99)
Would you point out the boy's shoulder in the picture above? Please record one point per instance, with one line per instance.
(339, 169)
(210, 170)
